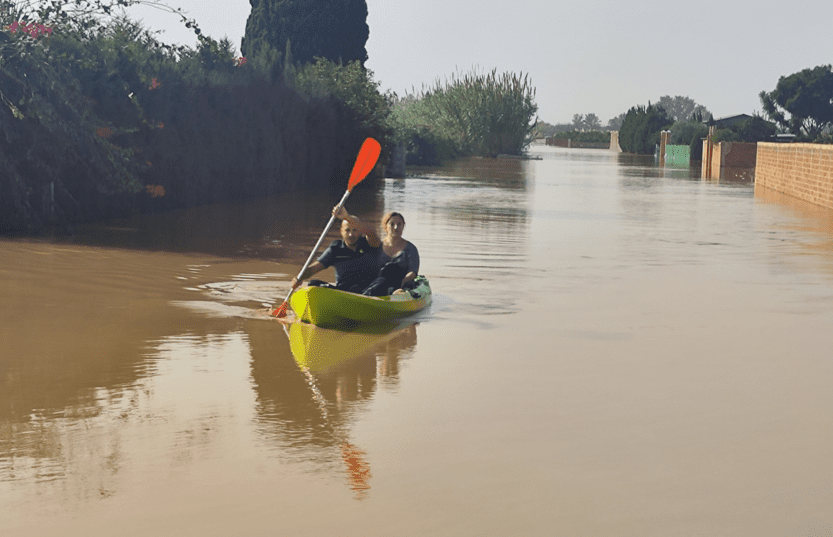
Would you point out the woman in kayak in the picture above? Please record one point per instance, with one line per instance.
(354, 257)
(398, 259)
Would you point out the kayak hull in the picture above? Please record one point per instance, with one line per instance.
(323, 306)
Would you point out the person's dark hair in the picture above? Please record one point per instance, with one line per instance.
(390, 215)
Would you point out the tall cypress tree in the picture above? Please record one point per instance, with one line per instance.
(332, 29)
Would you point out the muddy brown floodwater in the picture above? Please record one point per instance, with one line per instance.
(613, 349)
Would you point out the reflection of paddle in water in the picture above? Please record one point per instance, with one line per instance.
(358, 469)
(327, 352)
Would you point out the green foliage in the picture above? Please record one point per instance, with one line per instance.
(801, 102)
(615, 124)
(471, 114)
(752, 130)
(333, 29)
(99, 118)
(589, 137)
(354, 86)
(544, 129)
(50, 152)
(640, 131)
(586, 122)
(681, 108)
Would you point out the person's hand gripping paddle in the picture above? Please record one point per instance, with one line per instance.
(365, 161)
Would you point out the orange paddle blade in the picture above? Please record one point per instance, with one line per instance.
(280, 311)
(365, 161)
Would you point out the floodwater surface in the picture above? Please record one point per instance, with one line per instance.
(613, 349)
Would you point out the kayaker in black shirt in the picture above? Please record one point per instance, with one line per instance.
(354, 257)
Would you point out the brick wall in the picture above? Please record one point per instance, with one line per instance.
(558, 142)
(803, 171)
(738, 154)
(564, 142)
(729, 159)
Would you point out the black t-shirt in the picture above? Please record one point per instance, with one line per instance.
(354, 269)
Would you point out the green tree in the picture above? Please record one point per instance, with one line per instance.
(802, 102)
(614, 124)
(592, 122)
(641, 128)
(99, 119)
(681, 108)
(355, 87)
(755, 129)
(586, 122)
(472, 114)
(308, 29)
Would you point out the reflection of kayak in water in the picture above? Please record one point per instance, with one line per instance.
(319, 349)
(323, 306)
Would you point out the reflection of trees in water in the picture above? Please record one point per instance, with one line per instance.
(270, 228)
(81, 441)
(306, 405)
(479, 192)
(81, 447)
(471, 223)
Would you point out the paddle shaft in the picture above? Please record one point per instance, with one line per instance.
(320, 240)
(365, 161)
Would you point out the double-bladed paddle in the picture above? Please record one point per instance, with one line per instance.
(365, 161)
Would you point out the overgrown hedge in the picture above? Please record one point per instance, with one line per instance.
(98, 121)
(640, 131)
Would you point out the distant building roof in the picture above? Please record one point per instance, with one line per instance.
(731, 121)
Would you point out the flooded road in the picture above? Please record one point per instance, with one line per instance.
(613, 349)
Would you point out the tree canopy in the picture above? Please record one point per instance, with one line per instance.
(641, 127)
(586, 122)
(802, 102)
(681, 108)
(336, 30)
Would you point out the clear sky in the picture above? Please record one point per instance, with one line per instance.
(583, 56)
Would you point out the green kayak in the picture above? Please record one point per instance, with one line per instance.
(322, 306)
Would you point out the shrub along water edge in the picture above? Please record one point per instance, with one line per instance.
(108, 121)
(480, 114)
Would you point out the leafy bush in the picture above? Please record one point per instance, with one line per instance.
(640, 131)
(354, 86)
(590, 137)
(752, 130)
(471, 114)
(98, 118)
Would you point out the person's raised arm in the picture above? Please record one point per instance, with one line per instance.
(366, 229)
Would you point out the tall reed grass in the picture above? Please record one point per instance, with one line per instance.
(480, 114)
